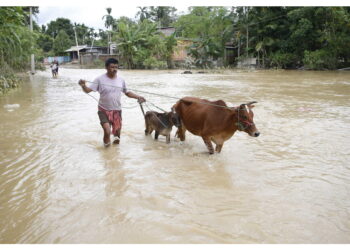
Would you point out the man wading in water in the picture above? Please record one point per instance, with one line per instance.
(110, 86)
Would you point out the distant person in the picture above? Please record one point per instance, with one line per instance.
(57, 66)
(110, 86)
(54, 69)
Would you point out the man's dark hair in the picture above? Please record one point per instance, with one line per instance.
(111, 61)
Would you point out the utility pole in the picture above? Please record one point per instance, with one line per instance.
(32, 62)
(247, 10)
(76, 42)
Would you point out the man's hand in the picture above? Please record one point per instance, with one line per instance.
(140, 99)
(82, 83)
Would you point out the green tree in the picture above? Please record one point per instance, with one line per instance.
(54, 27)
(143, 13)
(109, 22)
(16, 41)
(140, 44)
(62, 42)
(209, 28)
(45, 42)
(162, 15)
(170, 44)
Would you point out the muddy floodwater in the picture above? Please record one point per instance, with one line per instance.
(58, 184)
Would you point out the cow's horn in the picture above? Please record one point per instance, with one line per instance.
(250, 103)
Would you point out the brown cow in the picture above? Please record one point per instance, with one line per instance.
(214, 121)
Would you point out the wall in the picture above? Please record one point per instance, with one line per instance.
(60, 59)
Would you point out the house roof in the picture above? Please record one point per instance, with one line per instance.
(81, 47)
(76, 48)
(167, 31)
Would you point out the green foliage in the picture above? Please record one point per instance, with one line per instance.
(153, 63)
(45, 42)
(162, 15)
(62, 42)
(320, 60)
(283, 60)
(138, 42)
(54, 27)
(16, 41)
(209, 27)
(8, 79)
(143, 13)
(289, 36)
(109, 20)
(282, 37)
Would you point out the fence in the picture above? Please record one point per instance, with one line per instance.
(60, 59)
(89, 58)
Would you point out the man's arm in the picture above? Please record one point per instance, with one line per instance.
(83, 86)
(139, 98)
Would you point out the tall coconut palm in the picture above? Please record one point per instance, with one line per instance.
(143, 13)
(109, 22)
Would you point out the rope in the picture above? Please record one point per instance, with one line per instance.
(106, 108)
(156, 106)
(152, 114)
(172, 97)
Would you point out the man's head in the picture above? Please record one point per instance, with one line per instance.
(111, 66)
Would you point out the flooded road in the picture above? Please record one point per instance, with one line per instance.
(58, 184)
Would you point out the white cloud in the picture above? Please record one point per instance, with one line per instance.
(90, 15)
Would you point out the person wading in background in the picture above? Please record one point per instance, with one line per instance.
(54, 69)
(110, 86)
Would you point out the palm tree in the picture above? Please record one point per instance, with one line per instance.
(109, 24)
(143, 13)
(162, 15)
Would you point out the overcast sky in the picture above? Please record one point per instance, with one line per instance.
(91, 12)
(91, 16)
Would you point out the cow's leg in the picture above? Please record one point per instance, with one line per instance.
(218, 147)
(156, 134)
(181, 132)
(209, 145)
(168, 139)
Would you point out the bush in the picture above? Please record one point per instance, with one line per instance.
(283, 60)
(8, 79)
(153, 63)
(319, 59)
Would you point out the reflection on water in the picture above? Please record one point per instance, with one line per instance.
(58, 184)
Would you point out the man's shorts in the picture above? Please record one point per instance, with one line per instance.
(112, 117)
(103, 117)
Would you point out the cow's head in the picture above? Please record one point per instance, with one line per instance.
(245, 120)
(175, 118)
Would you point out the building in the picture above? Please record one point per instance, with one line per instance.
(167, 31)
(96, 50)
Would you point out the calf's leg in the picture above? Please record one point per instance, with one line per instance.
(149, 129)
